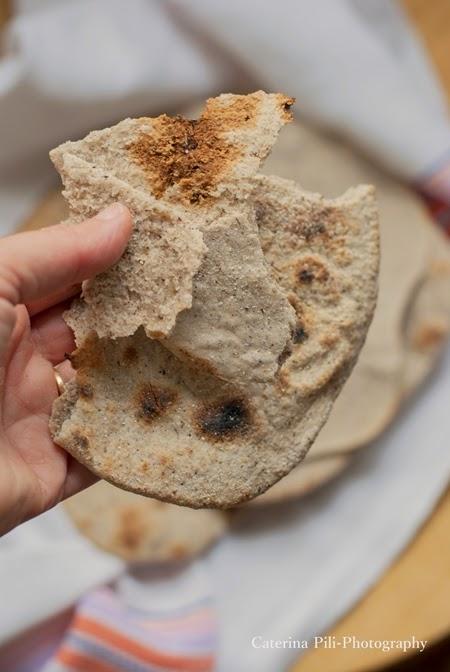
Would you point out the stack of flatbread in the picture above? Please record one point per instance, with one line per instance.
(209, 357)
(253, 324)
(201, 346)
(200, 335)
(412, 319)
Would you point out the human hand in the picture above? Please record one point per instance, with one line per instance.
(39, 271)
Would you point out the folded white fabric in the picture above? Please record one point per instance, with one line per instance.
(44, 568)
(354, 67)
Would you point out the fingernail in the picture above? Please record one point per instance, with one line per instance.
(112, 212)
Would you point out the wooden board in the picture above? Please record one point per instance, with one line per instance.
(5, 11)
(432, 19)
(412, 598)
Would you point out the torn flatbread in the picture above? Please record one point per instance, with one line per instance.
(227, 400)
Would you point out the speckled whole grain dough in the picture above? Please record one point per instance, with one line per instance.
(140, 529)
(302, 480)
(388, 365)
(229, 399)
(176, 176)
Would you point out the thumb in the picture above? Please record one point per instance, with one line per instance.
(37, 264)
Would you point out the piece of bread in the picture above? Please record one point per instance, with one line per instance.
(140, 529)
(389, 365)
(302, 480)
(166, 170)
(211, 405)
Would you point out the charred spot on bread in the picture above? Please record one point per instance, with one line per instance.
(299, 334)
(153, 401)
(305, 275)
(90, 355)
(286, 104)
(224, 420)
(310, 269)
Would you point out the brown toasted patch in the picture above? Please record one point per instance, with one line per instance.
(241, 112)
(190, 154)
(85, 524)
(165, 461)
(144, 467)
(178, 552)
(152, 401)
(322, 223)
(310, 269)
(194, 154)
(329, 338)
(295, 302)
(155, 333)
(130, 530)
(430, 335)
(224, 420)
(197, 364)
(440, 267)
(79, 442)
(89, 355)
(130, 355)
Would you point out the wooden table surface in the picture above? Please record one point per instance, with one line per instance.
(413, 597)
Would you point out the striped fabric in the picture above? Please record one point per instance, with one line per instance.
(107, 636)
(440, 211)
(434, 186)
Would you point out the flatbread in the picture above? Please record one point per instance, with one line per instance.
(427, 324)
(362, 406)
(230, 399)
(303, 479)
(165, 170)
(373, 395)
(139, 529)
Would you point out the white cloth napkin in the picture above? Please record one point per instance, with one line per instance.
(355, 67)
